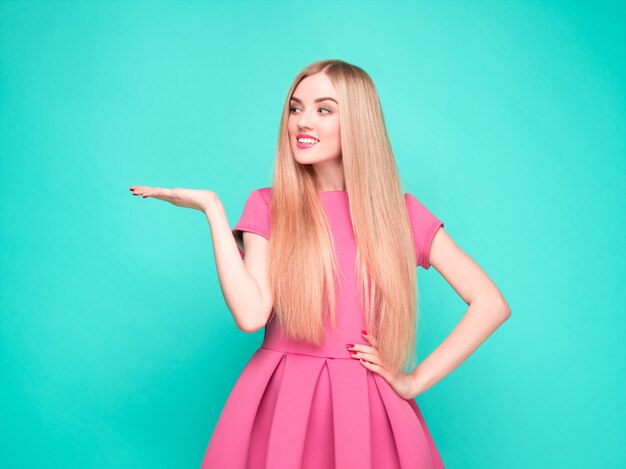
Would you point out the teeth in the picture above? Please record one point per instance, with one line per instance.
(307, 140)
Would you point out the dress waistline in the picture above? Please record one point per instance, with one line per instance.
(329, 349)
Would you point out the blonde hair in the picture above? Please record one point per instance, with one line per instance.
(302, 264)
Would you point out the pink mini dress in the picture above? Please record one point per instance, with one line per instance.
(298, 406)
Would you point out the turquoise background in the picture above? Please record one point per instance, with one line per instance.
(507, 120)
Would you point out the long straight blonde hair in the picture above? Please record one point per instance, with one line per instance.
(302, 265)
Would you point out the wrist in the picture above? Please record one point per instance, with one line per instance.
(213, 206)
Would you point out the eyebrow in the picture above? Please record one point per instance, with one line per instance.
(318, 100)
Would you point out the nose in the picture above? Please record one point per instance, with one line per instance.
(304, 122)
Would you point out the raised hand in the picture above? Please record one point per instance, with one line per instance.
(189, 198)
(401, 382)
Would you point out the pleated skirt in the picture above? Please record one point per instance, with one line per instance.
(297, 411)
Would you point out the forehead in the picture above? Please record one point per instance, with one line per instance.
(314, 86)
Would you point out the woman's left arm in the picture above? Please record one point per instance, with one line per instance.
(487, 311)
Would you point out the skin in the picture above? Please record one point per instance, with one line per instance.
(245, 284)
(320, 120)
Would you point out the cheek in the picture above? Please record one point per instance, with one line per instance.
(332, 131)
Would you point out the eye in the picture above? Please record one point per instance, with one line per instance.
(292, 109)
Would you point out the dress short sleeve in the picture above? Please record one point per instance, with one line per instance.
(424, 226)
(255, 217)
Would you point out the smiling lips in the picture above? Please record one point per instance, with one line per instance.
(305, 141)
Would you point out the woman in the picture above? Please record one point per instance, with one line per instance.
(329, 270)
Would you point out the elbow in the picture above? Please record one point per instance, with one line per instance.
(252, 326)
(248, 328)
(505, 310)
(497, 306)
(243, 326)
(500, 305)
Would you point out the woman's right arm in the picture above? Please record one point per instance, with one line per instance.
(244, 284)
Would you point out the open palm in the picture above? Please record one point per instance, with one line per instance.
(189, 198)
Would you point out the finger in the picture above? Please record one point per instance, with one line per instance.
(165, 194)
(373, 367)
(370, 339)
(161, 194)
(364, 348)
(140, 188)
(370, 357)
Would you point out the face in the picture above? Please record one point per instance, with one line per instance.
(312, 113)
